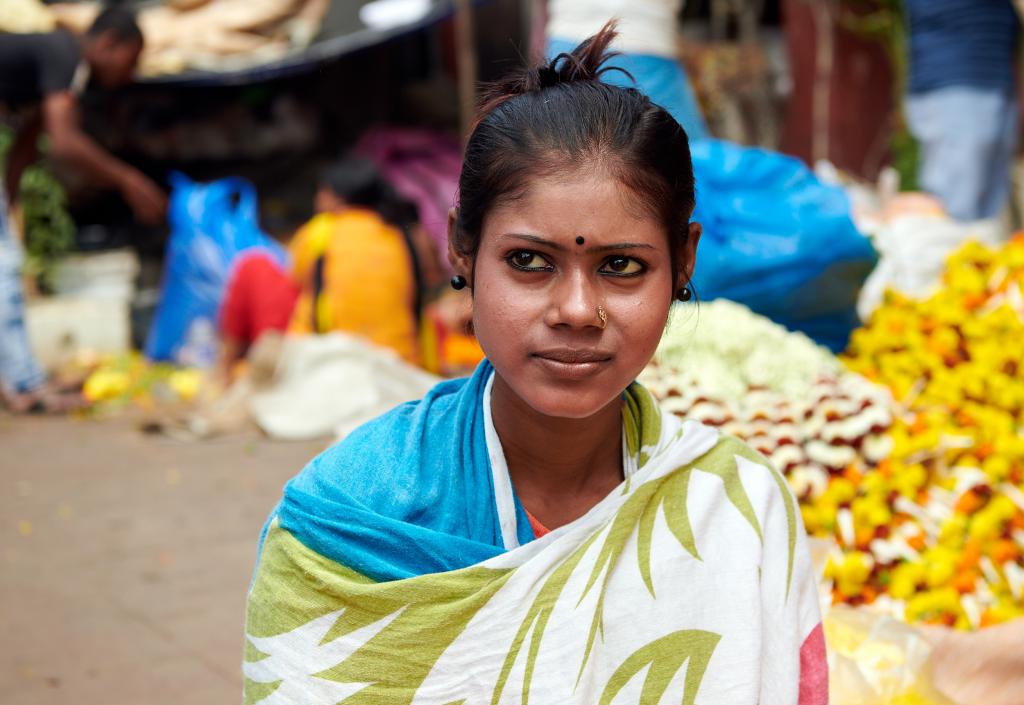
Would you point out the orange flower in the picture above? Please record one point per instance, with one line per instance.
(968, 503)
(988, 619)
(970, 556)
(1004, 551)
(973, 302)
(965, 581)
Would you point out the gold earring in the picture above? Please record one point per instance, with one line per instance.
(603, 315)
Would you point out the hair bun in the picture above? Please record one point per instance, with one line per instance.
(547, 76)
(584, 63)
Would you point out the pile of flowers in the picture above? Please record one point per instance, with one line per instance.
(787, 397)
(935, 532)
(911, 459)
(119, 381)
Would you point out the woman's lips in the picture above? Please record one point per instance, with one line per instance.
(573, 364)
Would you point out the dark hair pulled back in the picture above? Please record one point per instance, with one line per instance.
(357, 181)
(119, 21)
(558, 116)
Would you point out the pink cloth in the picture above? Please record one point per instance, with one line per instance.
(814, 669)
(423, 166)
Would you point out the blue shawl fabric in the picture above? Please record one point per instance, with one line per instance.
(406, 494)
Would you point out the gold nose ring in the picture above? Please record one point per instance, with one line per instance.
(603, 315)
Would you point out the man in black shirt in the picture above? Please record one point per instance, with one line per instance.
(41, 77)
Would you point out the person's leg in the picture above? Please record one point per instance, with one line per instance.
(958, 130)
(19, 370)
(1001, 154)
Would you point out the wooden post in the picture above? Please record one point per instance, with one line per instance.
(466, 60)
(826, 15)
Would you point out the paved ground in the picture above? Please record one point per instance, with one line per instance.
(124, 560)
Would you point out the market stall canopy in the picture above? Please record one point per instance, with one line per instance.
(235, 42)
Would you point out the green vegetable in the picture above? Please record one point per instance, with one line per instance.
(49, 229)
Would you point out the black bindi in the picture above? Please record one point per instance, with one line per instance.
(580, 240)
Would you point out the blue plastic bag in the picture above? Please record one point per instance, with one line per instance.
(210, 225)
(778, 240)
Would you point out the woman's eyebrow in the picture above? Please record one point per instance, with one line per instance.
(626, 246)
(533, 238)
(561, 248)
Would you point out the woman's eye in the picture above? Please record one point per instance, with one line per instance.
(624, 266)
(531, 261)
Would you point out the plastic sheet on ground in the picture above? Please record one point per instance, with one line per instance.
(331, 384)
(876, 660)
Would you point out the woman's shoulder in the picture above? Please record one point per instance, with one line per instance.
(385, 457)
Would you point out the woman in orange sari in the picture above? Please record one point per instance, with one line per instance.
(356, 265)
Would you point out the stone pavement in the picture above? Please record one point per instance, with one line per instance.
(124, 560)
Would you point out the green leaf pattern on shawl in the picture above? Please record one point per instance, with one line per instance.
(642, 422)
(666, 656)
(640, 511)
(537, 617)
(429, 611)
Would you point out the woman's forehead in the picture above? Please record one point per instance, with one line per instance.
(585, 203)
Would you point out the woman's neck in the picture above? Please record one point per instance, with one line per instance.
(560, 468)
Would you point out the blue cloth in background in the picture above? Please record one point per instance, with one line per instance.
(778, 240)
(962, 43)
(408, 493)
(661, 79)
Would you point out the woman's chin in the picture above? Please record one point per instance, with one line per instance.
(564, 404)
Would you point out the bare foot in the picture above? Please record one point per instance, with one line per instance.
(47, 399)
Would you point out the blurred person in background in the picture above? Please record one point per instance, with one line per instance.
(648, 46)
(41, 79)
(361, 265)
(962, 101)
(259, 298)
(362, 262)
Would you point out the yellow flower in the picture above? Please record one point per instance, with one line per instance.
(905, 579)
(933, 603)
(186, 383)
(106, 384)
(851, 574)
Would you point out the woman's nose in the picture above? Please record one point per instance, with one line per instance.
(574, 301)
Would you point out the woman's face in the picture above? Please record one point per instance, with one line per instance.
(537, 290)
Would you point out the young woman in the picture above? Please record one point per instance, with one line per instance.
(541, 532)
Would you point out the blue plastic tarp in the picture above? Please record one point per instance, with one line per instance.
(211, 224)
(778, 240)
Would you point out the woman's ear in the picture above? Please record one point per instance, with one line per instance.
(461, 263)
(688, 256)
